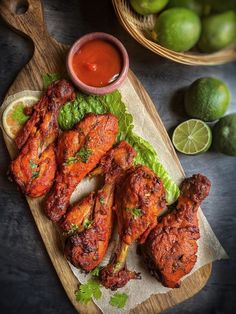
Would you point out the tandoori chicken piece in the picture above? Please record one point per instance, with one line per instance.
(45, 112)
(170, 249)
(35, 167)
(112, 166)
(139, 200)
(77, 216)
(78, 152)
(86, 249)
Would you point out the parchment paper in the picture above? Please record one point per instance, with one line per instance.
(209, 247)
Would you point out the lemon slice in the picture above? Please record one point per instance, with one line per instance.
(192, 137)
(13, 116)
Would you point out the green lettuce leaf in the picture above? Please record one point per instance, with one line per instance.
(72, 112)
(19, 114)
(146, 155)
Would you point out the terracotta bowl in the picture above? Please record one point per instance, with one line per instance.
(91, 89)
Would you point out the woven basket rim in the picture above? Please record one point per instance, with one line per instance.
(189, 58)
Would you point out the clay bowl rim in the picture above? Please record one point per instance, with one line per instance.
(91, 89)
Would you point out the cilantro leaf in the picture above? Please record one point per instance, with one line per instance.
(35, 174)
(136, 212)
(88, 290)
(102, 200)
(49, 78)
(84, 154)
(119, 300)
(87, 223)
(96, 271)
(70, 161)
(72, 230)
(97, 293)
(33, 164)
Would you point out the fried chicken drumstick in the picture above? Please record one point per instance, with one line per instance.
(139, 200)
(35, 167)
(86, 249)
(78, 152)
(170, 249)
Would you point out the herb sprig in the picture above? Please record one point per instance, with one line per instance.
(82, 155)
(102, 200)
(87, 223)
(72, 230)
(87, 291)
(136, 212)
(119, 300)
(96, 271)
(33, 166)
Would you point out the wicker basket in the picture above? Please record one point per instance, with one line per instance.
(138, 26)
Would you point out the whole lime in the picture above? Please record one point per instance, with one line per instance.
(178, 29)
(224, 135)
(218, 31)
(207, 99)
(145, 7)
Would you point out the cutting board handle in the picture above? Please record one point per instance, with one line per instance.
(26, 17)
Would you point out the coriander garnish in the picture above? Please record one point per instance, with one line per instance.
(96, 271)
(72, 230)
(35, 174)
(136, 212)
(87, 223)
(33, 166)
(88, 290)
(102, 200)
(119, 300)
(70, 160)
(84, 154)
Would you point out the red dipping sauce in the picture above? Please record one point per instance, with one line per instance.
(97, 63)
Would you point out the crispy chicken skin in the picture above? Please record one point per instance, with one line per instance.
(35, 167)
(170, 250)
(86, 249)
(140, 198)
(45, 112)
(77, 214)
(78, 152)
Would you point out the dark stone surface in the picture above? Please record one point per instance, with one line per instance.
(28, 281)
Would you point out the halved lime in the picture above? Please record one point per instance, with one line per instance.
(192, 137)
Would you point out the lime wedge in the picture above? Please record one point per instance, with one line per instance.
(13, 117)
(192, 137)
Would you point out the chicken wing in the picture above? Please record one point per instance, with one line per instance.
(86, 249)
(35, 167)
(170, 250)
(139, 200)
(78, 152)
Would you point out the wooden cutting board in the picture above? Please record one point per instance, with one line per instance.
(49, 56)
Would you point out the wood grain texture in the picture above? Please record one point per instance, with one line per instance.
(49, 56)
